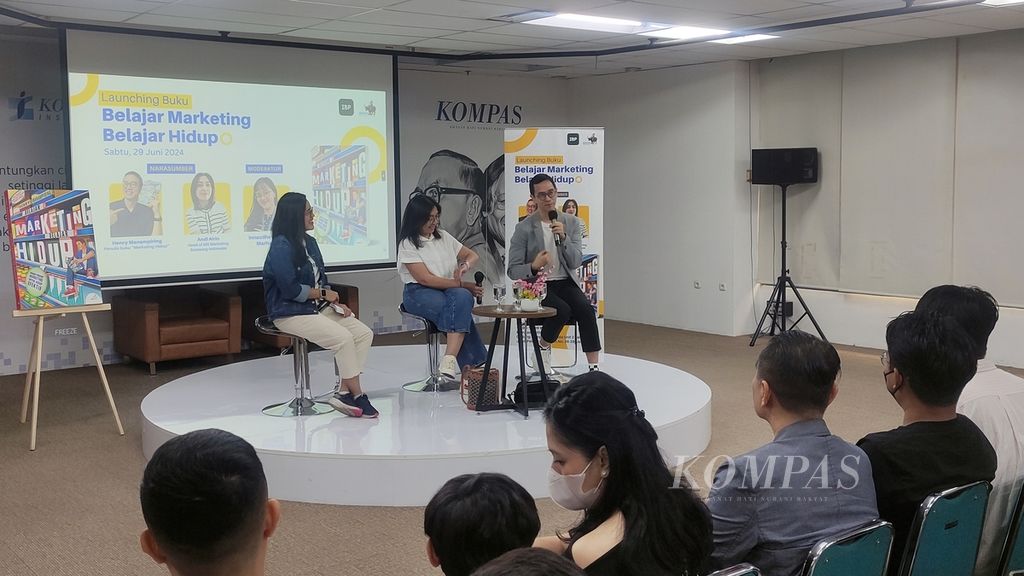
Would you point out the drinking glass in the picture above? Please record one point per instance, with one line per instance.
(499, 296)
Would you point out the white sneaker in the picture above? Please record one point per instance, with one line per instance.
(449, 367)
(545, 357)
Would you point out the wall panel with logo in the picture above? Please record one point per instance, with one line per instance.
(451, 126)
(32, 156)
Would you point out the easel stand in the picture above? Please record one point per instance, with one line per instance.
(776, 306)
(36, 357)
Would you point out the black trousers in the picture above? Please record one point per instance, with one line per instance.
(571, 304)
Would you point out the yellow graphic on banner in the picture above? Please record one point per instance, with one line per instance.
(367, 132)
(559, 159)
(92, 83)
(148, 99)
(513, 146)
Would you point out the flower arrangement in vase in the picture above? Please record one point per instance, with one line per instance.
(529, 294)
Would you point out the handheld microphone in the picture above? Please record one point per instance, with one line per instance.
(479, 277)
(553, 215)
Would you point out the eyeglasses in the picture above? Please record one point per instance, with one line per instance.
(433, 218)
(546, 195)
(885, 364)
(435, 192)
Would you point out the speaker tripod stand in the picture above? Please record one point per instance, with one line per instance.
(776, 306)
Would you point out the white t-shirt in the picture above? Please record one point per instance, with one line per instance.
(554, 266)
(440, 255)
(994, 400)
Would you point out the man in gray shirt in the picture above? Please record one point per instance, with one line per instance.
(772, 505)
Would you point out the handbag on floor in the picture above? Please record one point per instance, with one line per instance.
(472, 378)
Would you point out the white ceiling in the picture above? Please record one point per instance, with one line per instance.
(466, 26)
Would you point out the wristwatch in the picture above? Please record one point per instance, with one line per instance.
(323, 294)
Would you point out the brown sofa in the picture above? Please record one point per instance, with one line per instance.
(157, 324)
(254, 305)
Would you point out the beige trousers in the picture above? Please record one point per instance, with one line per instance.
(348, 337)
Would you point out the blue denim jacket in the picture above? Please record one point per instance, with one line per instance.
(285, 286)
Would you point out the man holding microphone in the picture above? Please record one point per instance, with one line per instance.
(552, 242)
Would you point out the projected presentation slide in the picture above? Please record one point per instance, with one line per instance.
(185, 174)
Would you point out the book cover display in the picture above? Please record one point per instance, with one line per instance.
(53, 250)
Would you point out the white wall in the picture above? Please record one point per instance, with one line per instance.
(677, 207)
(797, 103)
(988, 204)
(918, 181)
(860, 320)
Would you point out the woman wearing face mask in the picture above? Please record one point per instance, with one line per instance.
(637, 519)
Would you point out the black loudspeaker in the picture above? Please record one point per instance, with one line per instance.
(784, 166)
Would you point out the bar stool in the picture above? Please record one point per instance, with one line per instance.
(434, 382)
(554, 370)
(303, 404)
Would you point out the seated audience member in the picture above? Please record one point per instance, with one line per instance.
(474, 518)
(770, 506)
(994, 400)
(928, 361)
(529, 562)
(204, 499)
(637, 520)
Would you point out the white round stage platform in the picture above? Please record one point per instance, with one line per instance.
(420, 440)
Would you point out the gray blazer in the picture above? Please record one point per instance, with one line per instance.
(528, 241)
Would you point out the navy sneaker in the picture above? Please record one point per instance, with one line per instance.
(346, 404)
(368, 410)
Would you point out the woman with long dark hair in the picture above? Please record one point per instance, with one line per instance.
(571, 207)
(206, 216)
(264, 204)
(431, 263)
(300, 302)
(638, 519)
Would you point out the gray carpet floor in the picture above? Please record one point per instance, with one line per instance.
(71, 507)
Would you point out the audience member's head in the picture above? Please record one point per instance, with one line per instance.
(796, 374)
(928, 355)
(475, 518)
(529, 562)
(973, 308)
(204, 499)
(605, 459)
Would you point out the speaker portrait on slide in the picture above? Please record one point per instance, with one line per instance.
(208, 214)
(458, 184)
(135, 210)
(264, 205)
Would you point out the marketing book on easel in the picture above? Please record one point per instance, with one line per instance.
(53, 249)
